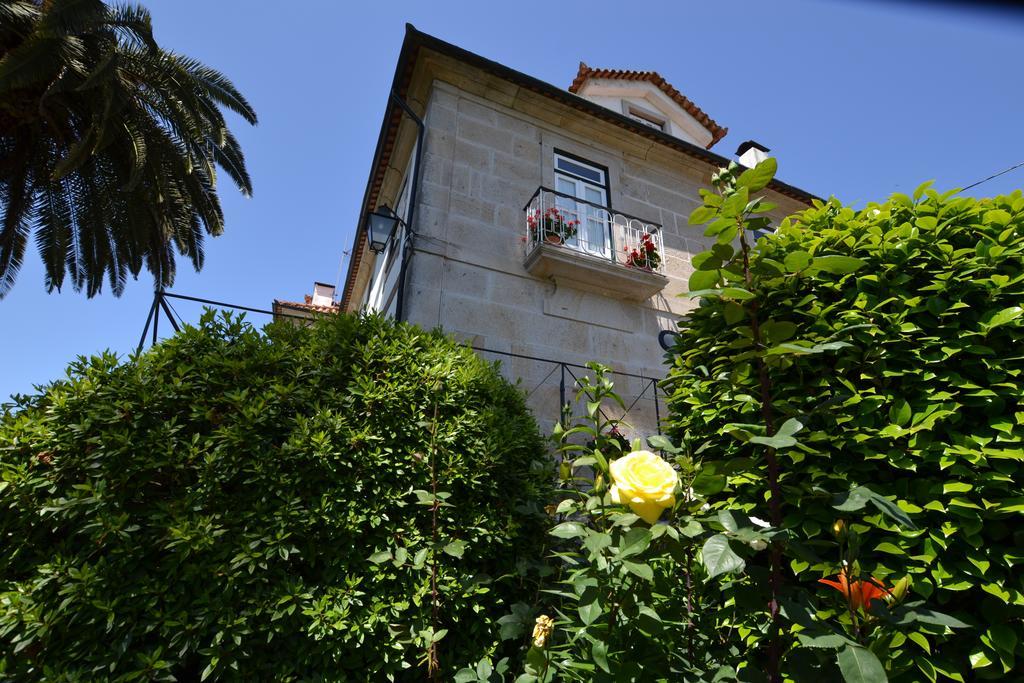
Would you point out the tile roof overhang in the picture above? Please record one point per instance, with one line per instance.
(307, 306)
(415, 42)
(585, 73)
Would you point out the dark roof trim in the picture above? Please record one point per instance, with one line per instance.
(415, 39)
(750, 144)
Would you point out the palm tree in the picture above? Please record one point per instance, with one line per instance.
(109, 145)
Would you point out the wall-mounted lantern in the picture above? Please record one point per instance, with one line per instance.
(380, 228)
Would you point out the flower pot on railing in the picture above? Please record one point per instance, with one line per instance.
(552, 227)
(645, 256)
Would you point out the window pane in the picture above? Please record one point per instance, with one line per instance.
(580, 170)
(594, 195)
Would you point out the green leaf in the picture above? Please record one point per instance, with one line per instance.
(837, 265)
(997, 216)
(727, 521)
(708, 483)
(1003, 637)
(775, 441)
(718, 557)
(734, 205)
(797, 261)
(706, 260)
(702, 214)
(599, 652)
(859, 665)
(640, 569)
(921, 640)
(737, 293)
(380, 557)
(455, 548)
(1004, 316)
(908, 614)
(567, 505)
(900, 412)
(702, 280)
(775, 332)
(852, 500)
(891, 510)
(757, 178)
(662, 443)
(596, 541)
(734, 312)
(635, 541)
(790, 427)
(590, 605)
(919, 191)
(568, 530)
(828, 641)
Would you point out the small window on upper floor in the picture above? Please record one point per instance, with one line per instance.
(646, 118)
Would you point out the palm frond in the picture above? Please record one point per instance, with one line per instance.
(134, 24)
(123, 145)
(15, 223)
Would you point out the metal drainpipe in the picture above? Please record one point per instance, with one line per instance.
(407, 247)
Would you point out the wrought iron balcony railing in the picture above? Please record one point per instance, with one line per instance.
(562, 220)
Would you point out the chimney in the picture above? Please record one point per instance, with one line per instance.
(323, 295)
(751, 153)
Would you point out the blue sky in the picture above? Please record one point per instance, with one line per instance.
(855, 99)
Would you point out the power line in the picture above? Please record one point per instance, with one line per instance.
(994, 175)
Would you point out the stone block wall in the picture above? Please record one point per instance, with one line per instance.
(482, 162)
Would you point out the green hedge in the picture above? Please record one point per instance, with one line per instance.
(239, 505)
(908, 376)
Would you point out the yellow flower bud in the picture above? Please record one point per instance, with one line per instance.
(599, 483)
(839, 529)
(542, 630)
(565, 470)
(900, 589)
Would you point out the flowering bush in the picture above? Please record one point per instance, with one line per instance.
(633, 549)
(551, 226)
(645, 256)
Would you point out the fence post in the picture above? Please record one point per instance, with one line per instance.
(657, 411)
(561, 397)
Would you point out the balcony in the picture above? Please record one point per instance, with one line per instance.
(588, 246)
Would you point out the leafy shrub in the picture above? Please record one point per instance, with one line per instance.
(245, 506)
(891, 336)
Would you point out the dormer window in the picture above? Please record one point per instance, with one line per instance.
(648, 99)
(646, 118)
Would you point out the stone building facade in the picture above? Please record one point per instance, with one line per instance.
(623, 153)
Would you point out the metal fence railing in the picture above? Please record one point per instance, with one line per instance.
(550, 386)
(551, 389)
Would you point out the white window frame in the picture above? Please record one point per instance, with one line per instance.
(589, 216)
(641, 116)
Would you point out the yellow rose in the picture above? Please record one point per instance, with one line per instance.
(645, 483)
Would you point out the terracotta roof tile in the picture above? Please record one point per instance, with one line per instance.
(307, 306)
(586, 72)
